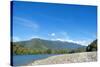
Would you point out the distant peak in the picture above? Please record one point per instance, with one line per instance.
(36, 39)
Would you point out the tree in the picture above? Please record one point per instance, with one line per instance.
(92, 46)
(49, 51)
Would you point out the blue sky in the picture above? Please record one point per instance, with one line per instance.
(73, 23)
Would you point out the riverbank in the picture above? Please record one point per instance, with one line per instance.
(67, 58)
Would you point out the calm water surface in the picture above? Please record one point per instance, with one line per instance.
(25, 59)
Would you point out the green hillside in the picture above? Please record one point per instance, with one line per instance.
(92, 46)
(40, 46)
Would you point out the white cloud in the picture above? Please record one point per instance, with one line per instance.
(34, 37)
(60, 39)
(53, 34)
(63, 36)
(27, 23)
(63, 33)
(15, 39)
(82, 42)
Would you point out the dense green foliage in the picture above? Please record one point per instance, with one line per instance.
(92, 46)
(21, 50)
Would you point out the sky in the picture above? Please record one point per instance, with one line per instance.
(64, 22)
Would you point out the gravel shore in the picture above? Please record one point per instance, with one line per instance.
(67, 58)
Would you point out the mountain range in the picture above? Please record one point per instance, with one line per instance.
(38, 43)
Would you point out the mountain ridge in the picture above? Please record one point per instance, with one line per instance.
(48, 44)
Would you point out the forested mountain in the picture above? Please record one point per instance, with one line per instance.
(37, 43)
(37, 46)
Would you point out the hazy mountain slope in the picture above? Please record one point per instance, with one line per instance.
(37, 43)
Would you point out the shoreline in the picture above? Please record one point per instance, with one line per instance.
(66, 58)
